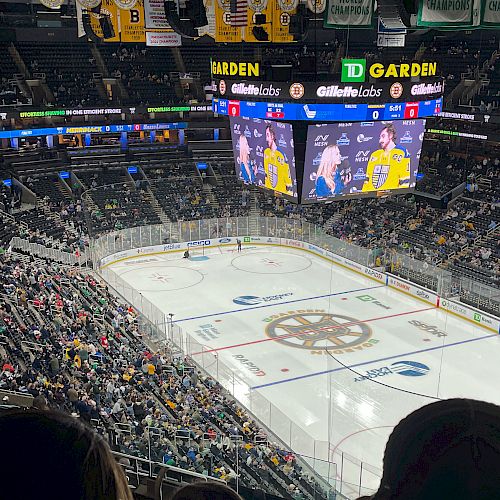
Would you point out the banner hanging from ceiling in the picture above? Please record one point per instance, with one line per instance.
(349, 13)
(224, 32)
(132, 24)
(446, 13)
(490, 14)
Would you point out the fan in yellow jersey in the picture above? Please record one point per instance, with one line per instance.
(276, 165)
(389, 167)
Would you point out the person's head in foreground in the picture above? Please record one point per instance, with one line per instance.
(447, 450)
(206, 491)
(48, 454)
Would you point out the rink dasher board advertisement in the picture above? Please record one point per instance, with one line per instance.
(327, 112)
(461, 310)
(361, 158)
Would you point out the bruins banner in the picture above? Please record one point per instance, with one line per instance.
(281, 20)
(352, 13)
(224, 32)
(108, 7)
(132, 24)
(277, 14)
(258, 7)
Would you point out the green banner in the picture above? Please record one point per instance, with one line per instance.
(490, 15)
(446, 13)
(349, 13)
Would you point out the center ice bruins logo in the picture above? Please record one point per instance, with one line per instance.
(318, 330)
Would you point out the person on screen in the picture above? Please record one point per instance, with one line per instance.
(389, 166)
(330, 178)
(276, 165)
(247, 170)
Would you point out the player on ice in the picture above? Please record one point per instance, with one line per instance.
(238, 242)
(186, 254)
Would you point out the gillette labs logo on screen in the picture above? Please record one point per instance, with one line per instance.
(348, 91)
(251, 89)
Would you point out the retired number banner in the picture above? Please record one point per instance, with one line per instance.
(352, 13)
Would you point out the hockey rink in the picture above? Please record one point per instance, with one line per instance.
(269, 314)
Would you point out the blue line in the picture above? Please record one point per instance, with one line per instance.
(278, 303)
(370, 362)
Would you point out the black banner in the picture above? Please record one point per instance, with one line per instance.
(328, 92)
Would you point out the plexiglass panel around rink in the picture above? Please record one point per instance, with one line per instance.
(380, 353)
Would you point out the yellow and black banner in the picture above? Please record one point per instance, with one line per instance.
(108, 7)
(277, 21)
(132, 25)
(224, 32)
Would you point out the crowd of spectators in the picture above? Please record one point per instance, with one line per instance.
(69, 343)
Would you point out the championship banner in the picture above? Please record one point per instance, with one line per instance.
(154, 14)
(446, 14)
(108, 7)
(209, 29)
(281, 20)
(351, 13)
(256, 7)
(490, 14)
(132, 24)
(163, 39)
(224, 32)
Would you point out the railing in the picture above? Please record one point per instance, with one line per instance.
(350, 475)
(161, 330)
(333, 465)
(42, 251)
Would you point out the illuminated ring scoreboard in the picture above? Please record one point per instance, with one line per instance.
(328, 112)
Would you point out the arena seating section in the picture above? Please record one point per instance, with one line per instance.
(66, 339)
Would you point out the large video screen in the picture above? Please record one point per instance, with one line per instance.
(353, 159)
(263, 154)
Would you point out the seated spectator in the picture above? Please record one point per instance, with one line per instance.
(54, 455)
(445, 450)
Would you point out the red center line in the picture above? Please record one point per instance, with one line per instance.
(343, 325)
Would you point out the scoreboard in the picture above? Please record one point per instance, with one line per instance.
(328, 112)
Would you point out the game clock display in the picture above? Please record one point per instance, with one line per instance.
(328, 112)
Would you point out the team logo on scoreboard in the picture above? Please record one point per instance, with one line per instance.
(380, 174)
(318, 330)
(296, 90)
(396, 90)
(222, 87)
(343, 140)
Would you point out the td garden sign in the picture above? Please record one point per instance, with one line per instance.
(355, 70)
